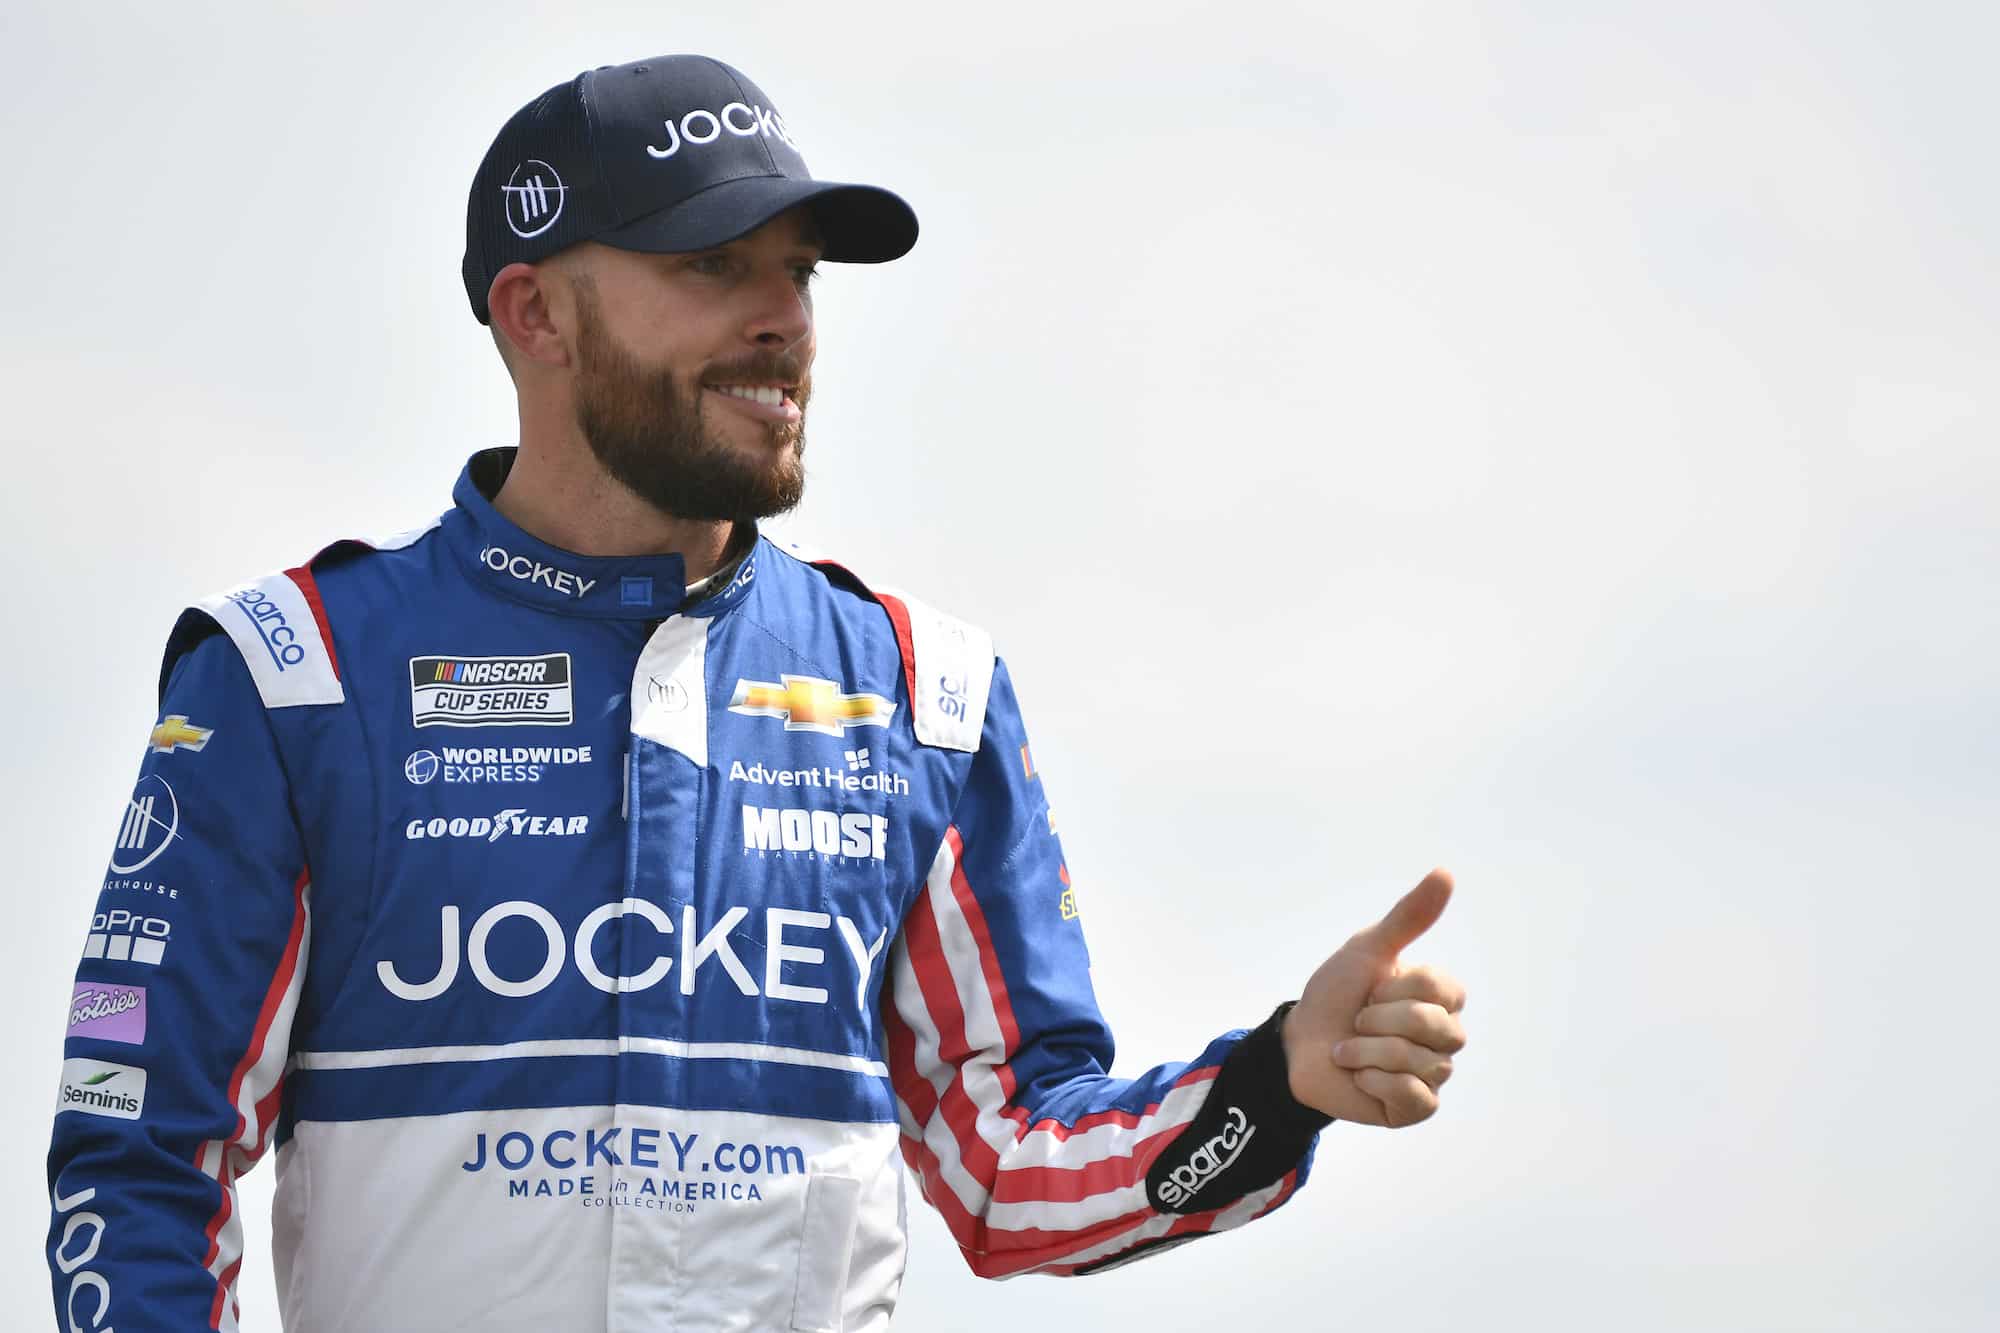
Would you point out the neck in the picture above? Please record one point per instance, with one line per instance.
(558, 492)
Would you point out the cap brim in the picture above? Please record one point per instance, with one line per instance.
(860, 224)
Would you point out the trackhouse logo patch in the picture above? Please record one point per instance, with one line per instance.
(491, 691)
(152, 822)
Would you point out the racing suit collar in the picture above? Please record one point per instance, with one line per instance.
(504, 558)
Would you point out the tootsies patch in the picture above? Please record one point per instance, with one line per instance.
(108, 1012)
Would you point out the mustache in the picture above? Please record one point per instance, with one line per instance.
(781, 367)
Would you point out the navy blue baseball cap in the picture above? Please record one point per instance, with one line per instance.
(669, 154)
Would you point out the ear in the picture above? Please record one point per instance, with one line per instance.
(520, 305)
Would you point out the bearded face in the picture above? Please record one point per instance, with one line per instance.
(646, 429)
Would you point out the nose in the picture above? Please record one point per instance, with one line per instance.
(782, 312)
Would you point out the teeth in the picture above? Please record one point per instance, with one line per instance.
(759, 393)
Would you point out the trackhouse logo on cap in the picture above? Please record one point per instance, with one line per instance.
(534, 195)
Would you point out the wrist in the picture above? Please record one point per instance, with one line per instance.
(1287, 1036)
(1249, 1132)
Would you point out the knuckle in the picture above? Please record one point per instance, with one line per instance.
(1414, 1100)
(1381, 1054)
(1440, 1032)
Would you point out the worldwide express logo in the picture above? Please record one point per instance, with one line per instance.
(490, 763)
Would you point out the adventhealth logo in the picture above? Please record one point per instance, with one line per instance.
(879, 781)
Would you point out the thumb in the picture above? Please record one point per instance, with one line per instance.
(1416, 912)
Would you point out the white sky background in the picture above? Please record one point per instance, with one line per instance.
(1553, 441)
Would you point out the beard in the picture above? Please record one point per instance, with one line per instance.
(646, 431)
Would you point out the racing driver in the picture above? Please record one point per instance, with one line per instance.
(592, 900)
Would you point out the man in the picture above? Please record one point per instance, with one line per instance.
(591, 899)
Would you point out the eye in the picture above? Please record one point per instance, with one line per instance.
(803, 274)
(712, 264)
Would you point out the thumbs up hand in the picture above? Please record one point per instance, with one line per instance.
(1371, 1039)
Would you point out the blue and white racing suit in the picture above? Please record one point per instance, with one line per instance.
(592, 952)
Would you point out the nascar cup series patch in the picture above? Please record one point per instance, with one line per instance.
(491, 691)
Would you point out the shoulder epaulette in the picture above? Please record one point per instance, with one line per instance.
(279, 626)
(947, 662)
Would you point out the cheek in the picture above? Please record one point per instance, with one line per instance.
(654, 328)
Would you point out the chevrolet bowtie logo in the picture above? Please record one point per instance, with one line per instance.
(175, 732)
(810, 704)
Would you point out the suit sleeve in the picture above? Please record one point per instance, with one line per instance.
(1037, 1158)
(180, 1021)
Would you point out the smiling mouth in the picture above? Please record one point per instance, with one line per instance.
(768, 394)
(769, 403)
